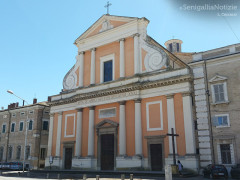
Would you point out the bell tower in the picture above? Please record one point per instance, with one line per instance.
(174, 45)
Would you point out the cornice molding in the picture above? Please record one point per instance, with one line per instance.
(127, 88)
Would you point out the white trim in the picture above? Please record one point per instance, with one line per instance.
(231, 153)
(99, 111)
(221, 115)
(225, 92)
(104, 59)
(65, 129)
(217, 78)
(19, 126)
(161, 116)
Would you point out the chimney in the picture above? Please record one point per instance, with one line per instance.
(49, 98)
(34, 100)
(17, 104)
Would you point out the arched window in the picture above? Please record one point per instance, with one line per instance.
(30, 125)
(10, 152)
(18, 152)
(1, 153)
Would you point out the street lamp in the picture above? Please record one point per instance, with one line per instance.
(11, 92)
(27, 121)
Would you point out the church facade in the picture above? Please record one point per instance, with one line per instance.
(119, 101)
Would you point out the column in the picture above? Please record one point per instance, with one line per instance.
(171, 121)
(122, 130)
(81, 68)
(91, 132)
(188, 124)
(50, 134)
(78, 148)
(92, 80)
(138, 128)
(136, 54)
(59, 131)
(122, 58)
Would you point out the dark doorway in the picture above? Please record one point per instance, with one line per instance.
(68, 158)
(156, 157)
(107, 152)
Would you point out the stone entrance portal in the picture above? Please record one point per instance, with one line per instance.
(68, 158)
(156, 157)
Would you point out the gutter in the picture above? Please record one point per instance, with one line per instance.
(9, 123)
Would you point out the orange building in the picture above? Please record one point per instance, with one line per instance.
(120, 99)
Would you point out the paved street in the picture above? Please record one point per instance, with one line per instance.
(12, 175)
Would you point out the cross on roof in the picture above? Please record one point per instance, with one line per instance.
(107, 6)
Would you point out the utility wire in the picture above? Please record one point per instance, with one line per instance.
(229, 25)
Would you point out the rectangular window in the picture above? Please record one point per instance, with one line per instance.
(30, 125)
(170, 47)
(45, 125)
(178, 49)
(225, 153)
(22, 113)
(30, 112)
(108, 71)
(12, 127)
(221, 120)
(219, 93)
(3, 128)
(43, 153)
(21, 126)
(13, 115)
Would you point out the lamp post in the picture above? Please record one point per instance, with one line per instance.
(27, 121)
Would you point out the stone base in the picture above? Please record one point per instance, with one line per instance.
(57, 163)
(188, 161)
(84, 163)
(124, 162)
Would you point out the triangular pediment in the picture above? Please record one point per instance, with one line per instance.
(104, 23)
(106, 123)
(218, 78)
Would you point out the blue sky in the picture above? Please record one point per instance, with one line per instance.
(36, 37)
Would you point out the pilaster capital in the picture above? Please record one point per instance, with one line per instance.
(186, 94)
(170, 96)
(122, 102)
(136, 35)
(93, 49)
(60, 113)
(79, 109)
(92, 108)
(82, 52)
(138, 100)
(122, 39)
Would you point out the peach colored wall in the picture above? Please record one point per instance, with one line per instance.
(87, 68)
(112, 48)
(129, 57)
(114, 23)
(159, 132)
(144, 53)
(179, 124)
(155, 117)
(98, 120)
(130, 128)
(54, 138)
(70, 124)
(85, 122)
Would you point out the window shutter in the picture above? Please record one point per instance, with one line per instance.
(214, 121)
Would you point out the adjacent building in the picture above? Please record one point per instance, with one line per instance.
(20, 123)
(216, 101)
(120, 99)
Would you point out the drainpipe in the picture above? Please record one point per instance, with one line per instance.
(209, 111)
(39, 154)
(9, 123)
